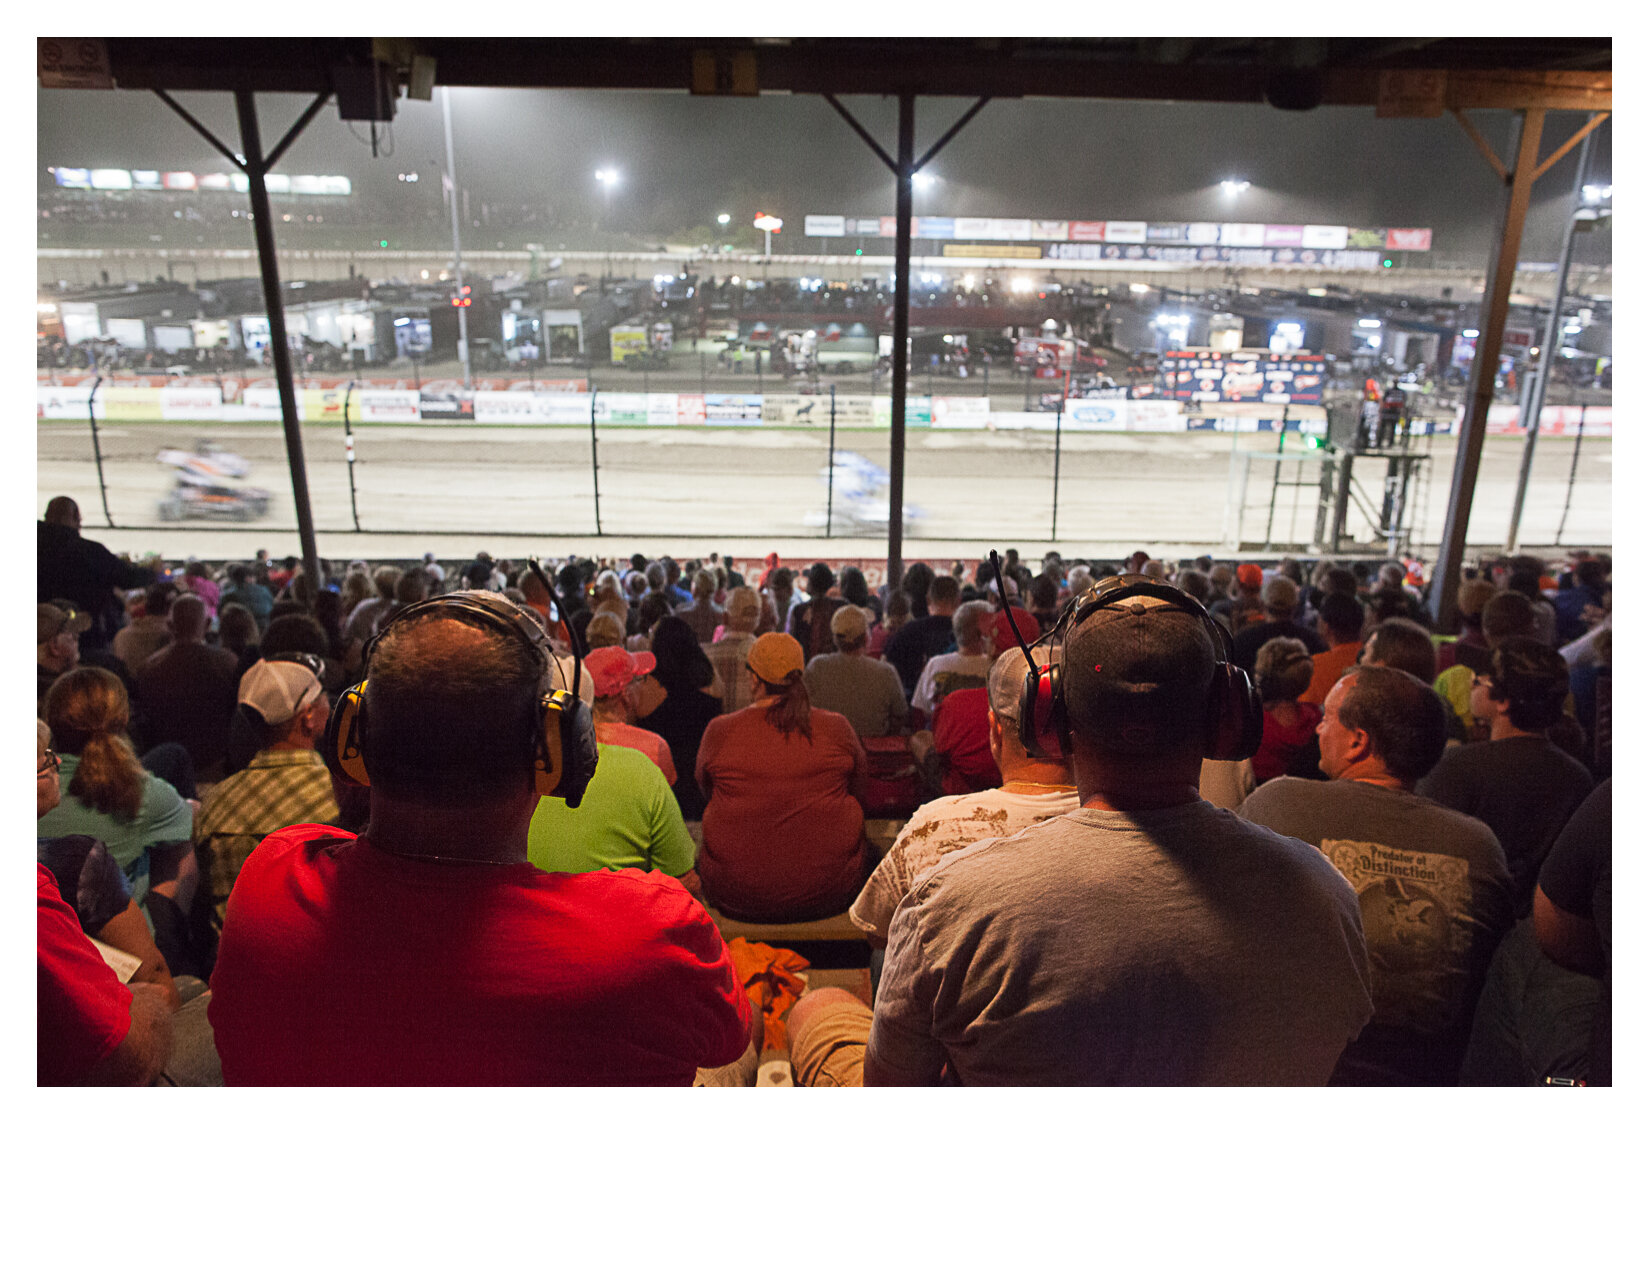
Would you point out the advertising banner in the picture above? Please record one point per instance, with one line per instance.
(798, 409)
(1088, 231)
(191, 403)
(497, 407)
(854, 411)
(63, 402)
(1125, 232)
(1323, 237)
(1010, 228)
(116, 403)
(1284, 236)
(564, 409)
(690, 409)
(451, 405)
(917, 412)
(1555, 421)
(868, 226)
(935, 228)
(823, 226)
(1242, 234)
(733, 409)
(973, 227)
(988, 250)
(1211, 254)
(1054, 231)
(1212, 376)
(1357, 237)
(662, 409)
(386, 405)
(1409, 240)
(960, 413)
(1202, 232)
(621, 409)
(1166, 232)
(626, 341)
(1090, 415)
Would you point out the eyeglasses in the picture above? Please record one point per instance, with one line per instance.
(53, 763)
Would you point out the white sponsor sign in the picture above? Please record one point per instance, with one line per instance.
(1243, 234)
(504, 407)
(64, 402)
(1054, 231)
(973, 227)
(1202, 232)
(382, 405)
(1332, 237)
(1009, 228)
(564, 409)
(1125, 232)
(1100, 415)
(662, 409)
(1156, 416)
(814, 225)
(190, 403)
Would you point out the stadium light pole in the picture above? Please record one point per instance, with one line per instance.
(458, 254)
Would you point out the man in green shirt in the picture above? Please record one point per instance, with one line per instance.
(628, 819)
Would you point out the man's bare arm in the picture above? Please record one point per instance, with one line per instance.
(141, 1056)
(130, 933)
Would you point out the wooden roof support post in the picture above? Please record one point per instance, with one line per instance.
(1492, 324)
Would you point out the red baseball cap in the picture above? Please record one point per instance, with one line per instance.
(612, 668)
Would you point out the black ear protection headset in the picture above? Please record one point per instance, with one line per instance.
(564, 734)
(1235, 716)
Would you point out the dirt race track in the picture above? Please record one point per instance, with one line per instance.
(688, 490)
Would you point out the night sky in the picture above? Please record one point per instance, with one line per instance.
(684, 159)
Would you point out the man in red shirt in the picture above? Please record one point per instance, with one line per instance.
(429, 950)
(92, 1030)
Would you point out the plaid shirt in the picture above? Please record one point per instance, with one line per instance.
(278, 788)
(728, 657)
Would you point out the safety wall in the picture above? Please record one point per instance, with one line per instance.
(447, 403)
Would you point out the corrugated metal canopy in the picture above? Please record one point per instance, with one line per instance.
(1557, 72)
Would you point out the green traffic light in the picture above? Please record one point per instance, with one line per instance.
(1386, 263)
(385, 243)
(859, 252)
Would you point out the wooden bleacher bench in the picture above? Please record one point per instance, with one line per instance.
(833, 929)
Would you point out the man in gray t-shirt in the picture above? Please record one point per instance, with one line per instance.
(1145, 938)
(865, 691)
(1432, 883)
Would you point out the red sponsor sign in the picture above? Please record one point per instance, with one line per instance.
(1409, 240)
(1088, 231)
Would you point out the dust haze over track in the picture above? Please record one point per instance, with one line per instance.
(706, 486)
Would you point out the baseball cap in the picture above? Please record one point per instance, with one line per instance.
(849, 622)
(774, 656)
(1136, 676)
(612, 668)
(279, 690)
(59, 615)
(1250, 576)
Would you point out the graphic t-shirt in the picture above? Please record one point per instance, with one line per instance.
(938, 828)
(343, 964)
(1435, 895)
(945, 674)
(628, 819)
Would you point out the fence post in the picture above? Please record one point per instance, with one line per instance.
(1575, 460)
(595, 480)
(830, 472)
(349, 456)
(97, 450)
(1059, 416)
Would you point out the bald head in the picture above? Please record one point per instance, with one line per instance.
(62, 512)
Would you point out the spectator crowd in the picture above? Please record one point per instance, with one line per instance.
(461, 823)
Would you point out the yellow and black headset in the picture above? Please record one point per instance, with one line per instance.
(564, 754)
(1235, 716)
